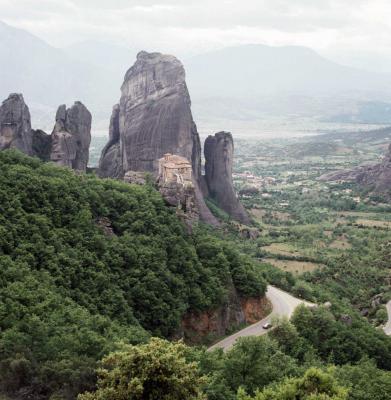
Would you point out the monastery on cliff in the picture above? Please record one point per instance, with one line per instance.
(175, 169)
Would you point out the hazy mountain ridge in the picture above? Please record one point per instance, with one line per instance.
(48, 76)
(265, 70)
(229, 87)
(256, 80)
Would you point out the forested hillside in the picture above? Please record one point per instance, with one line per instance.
(87, 263)
(91, 269)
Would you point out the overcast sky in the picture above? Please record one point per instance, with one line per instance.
(348, 30)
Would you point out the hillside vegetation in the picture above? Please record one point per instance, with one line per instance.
(71, 290)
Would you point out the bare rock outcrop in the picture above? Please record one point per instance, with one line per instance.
(383, 175)
(218, 150)
(15, 125)
(69, 143)
(71, 137)
(200, 326)
(110, 164)
(154, 118)
(375, 177)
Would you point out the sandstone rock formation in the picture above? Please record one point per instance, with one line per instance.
(110, 164)
(375, 177)
(71, 137)
(15, 125)
(153, 118)
(69, 143)
(218, 152)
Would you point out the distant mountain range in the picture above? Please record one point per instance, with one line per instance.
(229, 87)
(252, 81)
(48, 76)
(258, 70)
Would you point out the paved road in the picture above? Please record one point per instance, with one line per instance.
(387, 328)
(283, 304)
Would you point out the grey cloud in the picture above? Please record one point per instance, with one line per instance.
(190, 26)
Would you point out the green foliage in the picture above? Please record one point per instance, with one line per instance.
(291, 343)
(253, 363)
(365, 381)
(49, 343)
(340, 342)
(302, 290)
(382, 315)
(282, 279)
(154, 371)
(70, 289)
(314, 385)
(357, 276)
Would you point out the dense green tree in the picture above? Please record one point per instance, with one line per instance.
(255, 362)
(157, 370)
(341, 342)
(314, 385)
(365, 381)
(302, 290)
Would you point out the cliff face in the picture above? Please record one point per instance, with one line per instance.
(218, 152)
(376, 177)
(15, 125)
(69, 143)
(380, 175)
(110, 164)
(71, 137)
(153, 118)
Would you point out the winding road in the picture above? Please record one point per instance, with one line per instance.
(387, 328)
(283, 305)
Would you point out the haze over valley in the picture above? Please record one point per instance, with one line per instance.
(252, 90)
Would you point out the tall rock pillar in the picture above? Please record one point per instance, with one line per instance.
(218, 151)
(15, 125)
(153, 118)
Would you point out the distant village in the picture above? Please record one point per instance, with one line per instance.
(265, 186)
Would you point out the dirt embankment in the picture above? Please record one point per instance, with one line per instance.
(206, 327)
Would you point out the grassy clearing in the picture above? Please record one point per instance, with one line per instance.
(373, 224)
(295, 267)
(282, 249)
(341, 243)
(363, 214)
(257, 213)
(276, 215)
